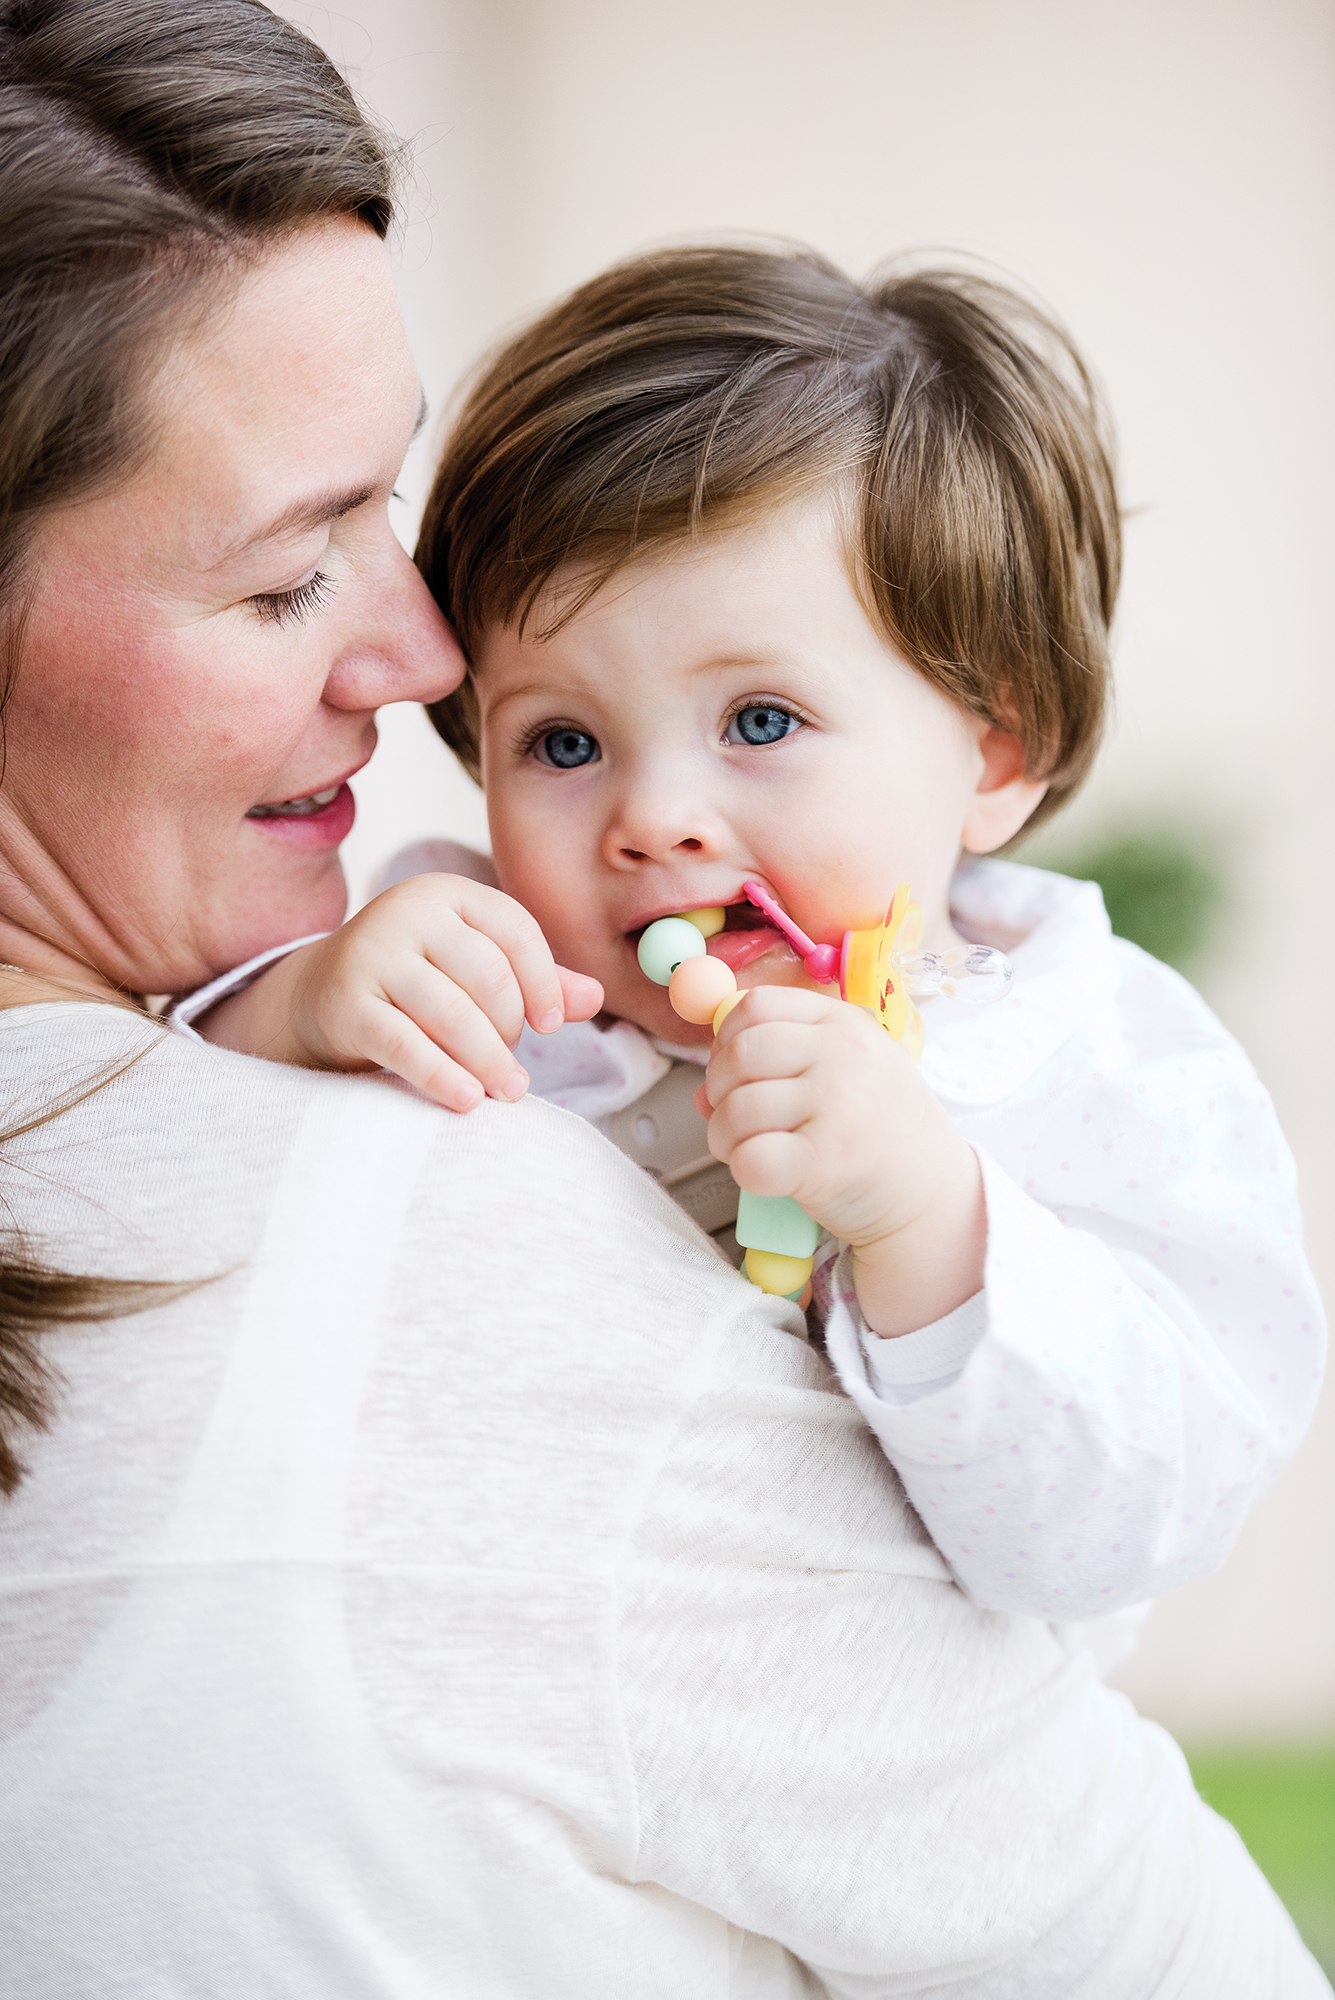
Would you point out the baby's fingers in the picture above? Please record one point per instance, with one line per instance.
(448, 1017)
(393, 1041)
(784, 1105)
(767, 1051)
(773, 1163)
(492, 916)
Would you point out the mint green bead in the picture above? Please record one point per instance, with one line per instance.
(664, 946)
(775, 1222)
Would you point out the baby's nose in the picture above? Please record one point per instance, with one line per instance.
(659, 825)
(689, 844)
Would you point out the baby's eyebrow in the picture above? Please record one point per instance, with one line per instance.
(532, 690)
(733, 659)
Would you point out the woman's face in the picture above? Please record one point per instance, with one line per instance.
(207, 642)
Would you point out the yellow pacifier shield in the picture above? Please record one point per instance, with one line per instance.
(871, 975)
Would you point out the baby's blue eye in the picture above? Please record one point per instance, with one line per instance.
(762, 723)
(567, 749)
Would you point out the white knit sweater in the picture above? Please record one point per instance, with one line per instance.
(478, 1590)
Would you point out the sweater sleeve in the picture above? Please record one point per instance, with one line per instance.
(1144, 1356)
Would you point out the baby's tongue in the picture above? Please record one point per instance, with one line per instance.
(741, 948)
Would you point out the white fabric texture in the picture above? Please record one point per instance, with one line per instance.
(478, 1589)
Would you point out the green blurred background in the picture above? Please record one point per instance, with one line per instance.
(1164, 885)
(1283, 1804)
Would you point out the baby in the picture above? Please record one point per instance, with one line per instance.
(763, 575)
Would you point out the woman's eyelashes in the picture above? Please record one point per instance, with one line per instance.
(761, 722)
(278, 606)
(565, 748)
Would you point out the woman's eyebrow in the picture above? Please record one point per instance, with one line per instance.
(303, 516)
(300, 517)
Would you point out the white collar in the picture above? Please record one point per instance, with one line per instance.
(1064, 971)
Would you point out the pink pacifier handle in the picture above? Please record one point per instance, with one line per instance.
(819, 961)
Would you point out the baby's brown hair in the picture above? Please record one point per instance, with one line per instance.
(696, 388)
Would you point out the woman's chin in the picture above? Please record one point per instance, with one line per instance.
(298, 894)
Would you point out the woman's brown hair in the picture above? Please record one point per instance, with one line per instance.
(694, 387)
(146, 150)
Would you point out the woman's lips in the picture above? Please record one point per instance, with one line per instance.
(307, 822)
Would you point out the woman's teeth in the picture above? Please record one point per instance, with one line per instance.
(314, 802)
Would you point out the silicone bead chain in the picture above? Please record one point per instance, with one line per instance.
(875, 969)
(777, 1234)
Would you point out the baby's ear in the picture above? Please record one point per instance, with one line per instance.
(1005, 795)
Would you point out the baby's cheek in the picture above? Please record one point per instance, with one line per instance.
(544, 902)
(571, 945)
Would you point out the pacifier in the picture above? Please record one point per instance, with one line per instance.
(880, 969)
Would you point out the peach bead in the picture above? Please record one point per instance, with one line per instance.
(698, 985)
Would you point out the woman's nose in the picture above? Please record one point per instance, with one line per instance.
(403, 648)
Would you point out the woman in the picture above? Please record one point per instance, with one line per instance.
(449, 1580)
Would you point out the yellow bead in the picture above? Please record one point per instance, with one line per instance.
(708, 922)
(777, 1274)
(725, 1007)
(699, 986)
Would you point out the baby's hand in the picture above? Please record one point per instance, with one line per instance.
(433, 979)
(806, 1096)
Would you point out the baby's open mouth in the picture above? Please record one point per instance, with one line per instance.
(746, 936)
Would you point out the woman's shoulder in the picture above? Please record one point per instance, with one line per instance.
(103, 1113)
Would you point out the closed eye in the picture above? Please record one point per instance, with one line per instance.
(277, 606)
(761, 722)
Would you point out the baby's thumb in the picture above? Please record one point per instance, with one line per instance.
(581, 995)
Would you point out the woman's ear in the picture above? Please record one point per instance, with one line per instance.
(1004, 797)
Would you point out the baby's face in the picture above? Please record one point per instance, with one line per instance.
(724, 714)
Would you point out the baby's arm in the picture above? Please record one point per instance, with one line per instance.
(434, 980)
(1092, 1427)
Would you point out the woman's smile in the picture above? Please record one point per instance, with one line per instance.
(321, 819)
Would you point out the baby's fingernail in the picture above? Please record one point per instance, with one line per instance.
(547, 1023)
(469, 1100)
(515, 1086)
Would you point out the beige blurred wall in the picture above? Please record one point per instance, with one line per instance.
(1162, 172)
